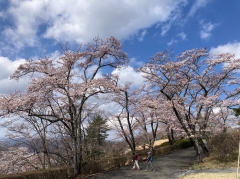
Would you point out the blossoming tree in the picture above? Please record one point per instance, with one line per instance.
(16, 160)
(192, 85)
(124, 121)
(65, 86)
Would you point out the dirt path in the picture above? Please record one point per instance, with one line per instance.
(170, 166)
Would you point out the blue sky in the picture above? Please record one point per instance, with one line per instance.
(31, 29)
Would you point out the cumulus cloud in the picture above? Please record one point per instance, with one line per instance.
(128, 74)
(233, 48)
(26, 17)
(7, 67)
(80, 21)
(206, 30)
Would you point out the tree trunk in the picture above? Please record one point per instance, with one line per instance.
(76, 165)
(197, 149)
(150, 142)
(170, 135)
(204, 147)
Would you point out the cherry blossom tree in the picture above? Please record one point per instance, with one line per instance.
(225, 119)
(19, 159)
(65, 86)
(32, 134)
(16, 160)
(155, 117)
(137, 117)
(147, 119)
(124, 121)
(192, 84)
(42, 138)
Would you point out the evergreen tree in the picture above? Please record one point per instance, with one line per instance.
(236, 110)
(96, 134)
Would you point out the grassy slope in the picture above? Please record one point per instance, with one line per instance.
(212, 163)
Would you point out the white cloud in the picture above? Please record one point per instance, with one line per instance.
(143, 33)
(182, 35)
(196, 6)
(216, 110)
(135, 63)
(27, 16)
(165, 29)
(206, 31)
(2, 14)
(233, 48)
(7, 67)
(172, 42)
(80, 21)
(19, 40)
(169, 22)
(128, 74)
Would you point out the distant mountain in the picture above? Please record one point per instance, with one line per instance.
(5, 143)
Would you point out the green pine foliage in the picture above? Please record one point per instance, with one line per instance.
(95, 137)
(97, 130)
(236, 110)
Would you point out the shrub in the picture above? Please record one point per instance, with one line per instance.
(164, 144)
(225, 146)
(90, 167)
(96, 166)
(163, 150)
(119, 161)
(184, 143)
(166, 148)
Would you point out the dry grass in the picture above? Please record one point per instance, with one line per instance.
(212, 163)
(159, 142)
(156, 143)
(211, 176)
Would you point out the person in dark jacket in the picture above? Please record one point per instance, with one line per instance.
(136, 158)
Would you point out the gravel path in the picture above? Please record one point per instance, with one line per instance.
(170, 166)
